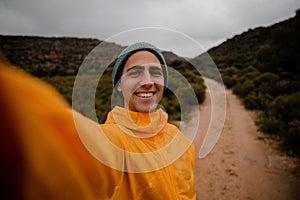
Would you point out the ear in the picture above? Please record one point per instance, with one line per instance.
(119, 89)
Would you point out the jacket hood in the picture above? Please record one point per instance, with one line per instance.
(138, 124)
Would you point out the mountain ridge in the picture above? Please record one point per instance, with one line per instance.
(243, 50)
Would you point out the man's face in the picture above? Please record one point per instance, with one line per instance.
(142, 82)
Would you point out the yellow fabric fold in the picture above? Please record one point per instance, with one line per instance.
(50, 151)
(136, 123)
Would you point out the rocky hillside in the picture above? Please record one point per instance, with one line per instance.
(274, 48)
(42, 56)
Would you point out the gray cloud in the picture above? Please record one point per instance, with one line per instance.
(207, 22)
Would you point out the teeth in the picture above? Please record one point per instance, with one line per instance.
(145, 94)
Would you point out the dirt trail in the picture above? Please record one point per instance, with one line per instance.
(242, 166)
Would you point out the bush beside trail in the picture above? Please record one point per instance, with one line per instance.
(275, 97)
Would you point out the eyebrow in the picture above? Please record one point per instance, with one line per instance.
(141, 67)
(135, 67)
(155, 68)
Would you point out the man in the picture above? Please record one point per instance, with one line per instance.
(139, 75)
(144, 74)
(60, 154)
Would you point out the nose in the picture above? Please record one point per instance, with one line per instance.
(147, 80)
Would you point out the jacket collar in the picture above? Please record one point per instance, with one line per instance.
(138, 124)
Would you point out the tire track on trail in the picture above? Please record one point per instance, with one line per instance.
(241, 166)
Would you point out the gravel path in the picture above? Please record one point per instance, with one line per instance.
(241, 165)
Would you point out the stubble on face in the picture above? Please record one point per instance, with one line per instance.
(142, 82)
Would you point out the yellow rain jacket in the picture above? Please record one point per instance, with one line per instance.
(49, 151)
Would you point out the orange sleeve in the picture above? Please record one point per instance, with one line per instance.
(42, 153)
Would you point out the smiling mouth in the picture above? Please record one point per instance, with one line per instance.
(145, 94)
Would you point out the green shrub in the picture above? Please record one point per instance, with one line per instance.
(266, 82)
(244, 88)
(249, 69)
(250, 102)
(255, 101)
(199, 90)
(228, 81)
(269, 124)
(230, 71)
(282, 117)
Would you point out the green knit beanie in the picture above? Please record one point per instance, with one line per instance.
(131, 49)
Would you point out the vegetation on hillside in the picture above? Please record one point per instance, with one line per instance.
(57, 61)
(103, 96)
(262, 67)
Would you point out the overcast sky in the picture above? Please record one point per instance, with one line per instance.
(208, 22)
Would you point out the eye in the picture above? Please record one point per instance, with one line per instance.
(134, 73)
(156, 72)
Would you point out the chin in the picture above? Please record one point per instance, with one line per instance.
(146, 108)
